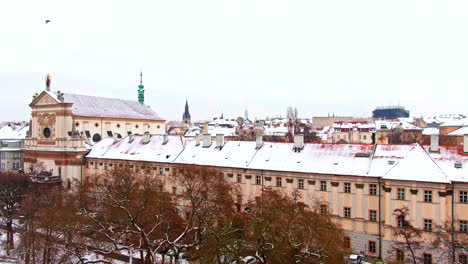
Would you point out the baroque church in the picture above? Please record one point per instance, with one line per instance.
(65, 126)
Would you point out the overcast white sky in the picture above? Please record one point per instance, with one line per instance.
(345, 57)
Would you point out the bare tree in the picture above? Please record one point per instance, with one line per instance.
(13, 186)
(208, 206)
(409, 235)
(293, 123)
(451, 242)
(282, 230)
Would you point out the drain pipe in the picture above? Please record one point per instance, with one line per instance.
(380, 217)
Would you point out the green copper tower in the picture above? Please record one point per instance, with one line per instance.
(141, 90)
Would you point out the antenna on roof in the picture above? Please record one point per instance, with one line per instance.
(141, 91)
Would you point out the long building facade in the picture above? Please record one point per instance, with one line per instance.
(360, 185)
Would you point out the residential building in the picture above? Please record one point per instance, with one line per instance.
(12, 135)
(354, 132)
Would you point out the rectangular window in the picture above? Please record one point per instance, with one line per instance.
(258, 180)
(347, 187)
(160, 171)
(323, 209)
(166, 169)
(109, 134)
(323, 186)
(463, 226)
(365, 137)
(428, 196)
(279, 181)
(347, 242)
(300, 184)
(463, 197)
(239, 178)
(373, 215)
(400, 221)
(400, 255)
(347, 212)
(401, 194)
(428, 225)
(88, 134)
(372, 247)
(372, 189)
(427, 259)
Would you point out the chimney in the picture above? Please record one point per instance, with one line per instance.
(146, 138)
(219, 141)
(165, 139)
(131, 137)
(206, 140)
(298, 142)
(434, 143)
(259, 140)
(197, 139)
(115, 137)
(465, 144)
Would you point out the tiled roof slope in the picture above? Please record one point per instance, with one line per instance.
(94, 106)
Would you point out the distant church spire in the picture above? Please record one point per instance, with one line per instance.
(141, 91)
(186, 116)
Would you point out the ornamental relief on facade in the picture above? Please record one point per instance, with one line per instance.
(46, 100)
(46, 119)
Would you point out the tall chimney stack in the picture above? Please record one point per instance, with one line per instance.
(259, 141)
(206, 140)
(298, 142)
(165, 139)
(434, 143)
(146, 138)
(219, 141)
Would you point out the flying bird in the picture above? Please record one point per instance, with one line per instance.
(47, 21)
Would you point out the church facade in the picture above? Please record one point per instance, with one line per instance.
(65, 126)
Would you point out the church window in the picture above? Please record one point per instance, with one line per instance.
(46, 132)
(158, 126)
(118, 125)
(96, 138)
(136, 126)
(77, 124)
(96, 125)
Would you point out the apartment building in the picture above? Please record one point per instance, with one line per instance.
(12, 135)
(354, 132)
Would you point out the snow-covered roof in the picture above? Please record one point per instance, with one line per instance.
(417, 165)
(431, 131)
(281, 130)
(13, 131)
(94, 106)
(137, 150)
(446, 159)
(394, 162)
(314, 158)
(223, 122)
(460, 132)
(386, 157)
(234, 154)
(456, 122)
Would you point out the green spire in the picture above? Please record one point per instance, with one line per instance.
(141, 91)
